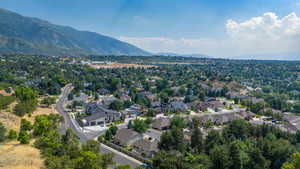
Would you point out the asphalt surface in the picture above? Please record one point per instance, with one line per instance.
(119, 158)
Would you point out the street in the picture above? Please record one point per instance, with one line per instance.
(119, 158)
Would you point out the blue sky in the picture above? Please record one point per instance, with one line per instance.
(147, 22)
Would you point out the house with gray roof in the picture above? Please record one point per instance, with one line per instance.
(146, 147)
(126, 137)
(161, 123)
(99, 115)
(220, 118)
(178, 106)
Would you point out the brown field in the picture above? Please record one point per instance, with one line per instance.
(12, 154)
(120, 65)
(16, 156)
(40, 111)
(174, 63)
(12, 121)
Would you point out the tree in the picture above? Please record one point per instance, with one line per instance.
(197, 140)
(88, 160)
(257, 160)
(130, 124)
(70, 96)
(23, 108)
(117, 105)
(25, 94)
(238, 129)
(12, 134)
(214, 138)
(123, 167)
(113, 129)
(219, 157)
(24, 137)
(294, 162)
(2, 132)
(108, 135)
(238, 158)
(140, 126)
(178, 122)
(25, 125)
(42, 125)
(172, 140)
(91, 145)
(48, 101)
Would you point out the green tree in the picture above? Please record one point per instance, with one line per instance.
(140, 126)
(123, 167)
(197, 140)
(88, 160)
(24, 137)
(48, 101)
(293, 163)
(178, 122)
(117, 105)
(91, 145)
(172, 140)
(12, 135)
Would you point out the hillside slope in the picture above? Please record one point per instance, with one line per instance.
(31, 35)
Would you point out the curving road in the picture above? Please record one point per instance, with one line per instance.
(119, 158)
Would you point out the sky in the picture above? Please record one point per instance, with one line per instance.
(223, 28)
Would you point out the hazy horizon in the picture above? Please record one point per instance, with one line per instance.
(231, 28)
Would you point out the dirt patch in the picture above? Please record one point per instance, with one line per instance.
(4, 93)
(10, 120)
(40, 111)
(16, 156)
(120, 65)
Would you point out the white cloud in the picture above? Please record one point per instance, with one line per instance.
(265, 34)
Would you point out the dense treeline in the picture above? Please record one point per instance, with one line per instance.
(239, 146)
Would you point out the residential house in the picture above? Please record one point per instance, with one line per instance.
(219, 119)
(126, 137)
(146, 147)
(103, 91)
(106, 101)
(125, 97)
(161, 123)
(178, 106)
(82, 98)
(99, 115)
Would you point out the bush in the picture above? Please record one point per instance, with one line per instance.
(12, 135)
(5, 101)
(24, 137)
(23, 108)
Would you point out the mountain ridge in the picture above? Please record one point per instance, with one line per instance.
(21, 34)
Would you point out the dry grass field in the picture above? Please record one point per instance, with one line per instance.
(16, 156)
(120, 65)
(12, 154)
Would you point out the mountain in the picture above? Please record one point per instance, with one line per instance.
(183, 55)
(20, 34)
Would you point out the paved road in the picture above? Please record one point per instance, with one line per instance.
(119, 157)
